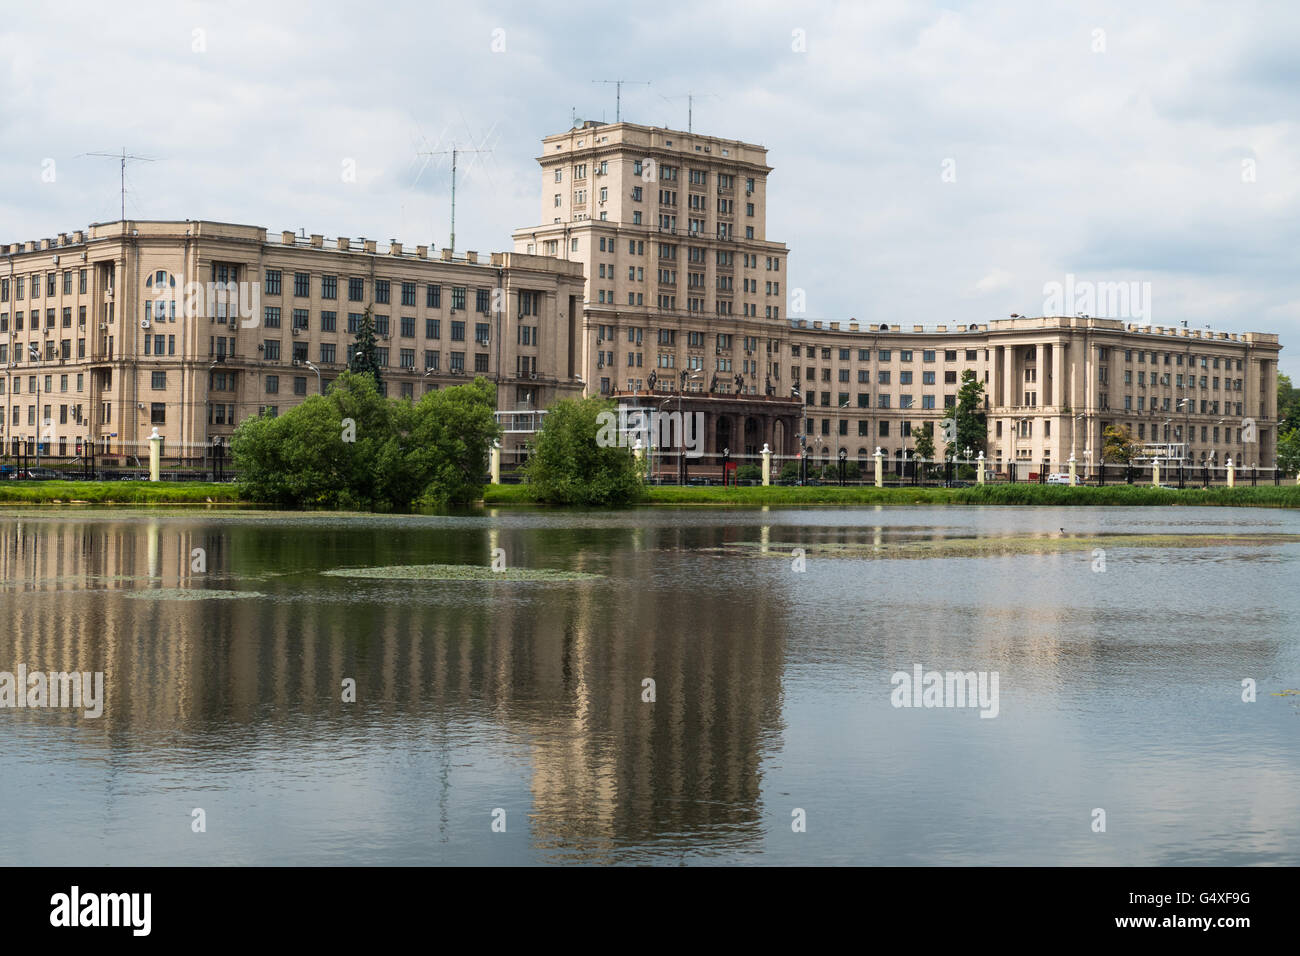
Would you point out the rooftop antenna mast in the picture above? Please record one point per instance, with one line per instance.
(690, 99)
(454, 152)
(618, 94)
(122, 158)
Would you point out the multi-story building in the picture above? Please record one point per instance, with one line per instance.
(684, 291)
(1051, 387)
(650, 276)
(192, 326)
(669, 227)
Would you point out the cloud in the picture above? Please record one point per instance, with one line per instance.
(1124, 163)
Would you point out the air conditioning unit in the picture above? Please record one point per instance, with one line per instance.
(749, 192)
(144, 323)
(297, 331)
(295, 363)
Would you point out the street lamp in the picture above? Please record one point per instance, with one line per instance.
(34, 352)
(319, 391)
(681, 454)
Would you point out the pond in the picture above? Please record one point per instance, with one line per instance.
(657, 685)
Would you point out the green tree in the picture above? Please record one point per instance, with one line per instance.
(352, 448)
(923, 441)
(1288, 404)
(365, 358)
(448, 443)
(576, 459)
(1288, 452)
(1119, 444)
(789, 471)
(972, 429)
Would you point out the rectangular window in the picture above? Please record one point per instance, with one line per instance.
(356, 289)
(433, 297)
(408, 326)
(271, 282)
(457, 331)
(329, 321)
(271, 350)
(381, 291)
(433, 328)
(458, 298)
(329, 287)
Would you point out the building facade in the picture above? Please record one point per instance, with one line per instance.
(650, 279)
(684, 291)
(670, 229)
(1051, 387)
(191, 326)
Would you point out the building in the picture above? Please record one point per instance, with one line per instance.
(1052, 385)
(192, 326)
(684, 291)
(650, 279)
(670, 229)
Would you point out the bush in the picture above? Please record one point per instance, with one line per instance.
(567, 465)
(352, 448)
(749, 473)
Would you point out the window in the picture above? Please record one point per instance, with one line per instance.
(272, 384)
(381, 325)
(408, 326)
(356, 289)
(157, 413)
(271, 350)
(329, 321)
(457, 331)
(458, 298)
(327, 352)
(381, 291)
(408, 293)
(302, 284)
(300, 385)
(301, 319)
(406, 358)
(329, 287)
(158, 381)
(433, 328)
(271, 317)
(433, 297)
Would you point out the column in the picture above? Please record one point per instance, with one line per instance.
(1058, 370)
(1009, 376)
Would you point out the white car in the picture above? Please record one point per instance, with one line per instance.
(1058, 478)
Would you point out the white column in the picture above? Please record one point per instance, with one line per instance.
(767, 464)
(155, 455)
(494, 458)
(979, 474)
(880, 468)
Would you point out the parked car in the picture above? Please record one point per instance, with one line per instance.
(34, 474)
(1058, 478)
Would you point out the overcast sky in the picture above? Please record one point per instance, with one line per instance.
(932, 162)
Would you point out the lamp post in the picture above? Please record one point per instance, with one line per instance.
(681, 453)
(843, 455)
(319, 391)
(34, 352)
(1073, 430)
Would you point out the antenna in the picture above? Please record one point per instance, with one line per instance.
(618, 94)
(123, 157)
(453, 152)
(690, 98)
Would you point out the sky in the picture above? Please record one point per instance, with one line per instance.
(932, 163)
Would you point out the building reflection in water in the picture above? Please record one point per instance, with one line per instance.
(557, 668)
